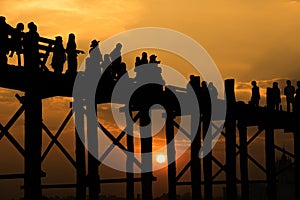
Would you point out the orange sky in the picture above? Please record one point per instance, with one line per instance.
(247, 40)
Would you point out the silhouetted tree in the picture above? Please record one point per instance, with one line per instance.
(289, 92)
(255, 94)
(59, 56)
(72, 54)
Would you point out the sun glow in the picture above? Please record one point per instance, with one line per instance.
(160, 158)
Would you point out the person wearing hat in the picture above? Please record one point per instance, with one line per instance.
(92, 63)
(59, 55)
(95, 52)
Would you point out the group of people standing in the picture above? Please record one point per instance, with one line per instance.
(274, 96)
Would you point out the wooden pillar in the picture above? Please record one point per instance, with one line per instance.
(230, 131)
(33, 146)
(146, 147)
(80, 152)
(207, 161)
(129, 162)
(93, 163)
(297, 151)
(270, 149)
(171, 156)
(243, 159)
(196, 143)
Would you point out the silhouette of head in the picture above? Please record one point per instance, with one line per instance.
(137, 59)
(20, 27)
(144, 55)
(298, 84)
(118, 45)
(58, 39)
(288, 82)
(71, 36)
(210, 84)
(2, 19)
(94, 43)
(32, 27)
(275, 84)
(153, 59)
(253, 83)
(203, 84)
(106, 57)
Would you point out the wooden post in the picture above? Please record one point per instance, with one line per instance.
(297, 151)
(80, 152)
(171, 156)
(146, 147)
(33, 146)
(207, 161)
(196, 144)
(129, 162)
(93, 163)
(270, 149)
(230, 131)
(243, 159)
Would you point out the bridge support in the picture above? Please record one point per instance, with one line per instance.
(80, 154)
(146, 147)
(129, 162)
(297, 153)
(230, 129)
(93, 162)
(171, 156)
(270, 149)
(33, 147)
(243, 159)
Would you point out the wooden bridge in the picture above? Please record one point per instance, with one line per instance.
(46, 84)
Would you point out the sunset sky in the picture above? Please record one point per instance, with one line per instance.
(248, 40)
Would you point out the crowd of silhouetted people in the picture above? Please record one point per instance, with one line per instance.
(274, 96)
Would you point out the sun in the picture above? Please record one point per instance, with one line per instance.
(160, 158)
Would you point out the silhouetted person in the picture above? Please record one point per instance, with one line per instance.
(150, 72)
(116, 59)
(59, 56)
(153, 59)
(106, 78)
(205, 101)
(137, 61)
(93, 61)
(289, 92)
(115, 55)
(297, 99)
(276, 96)
(5, 31)
(255, 97)
(16, 42)
(95, 51)
(72, 54)
(144, 59)
(213, 91)
(31, 48)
